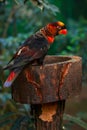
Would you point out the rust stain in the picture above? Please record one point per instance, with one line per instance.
(31, 80)
(41, 67)
(54, 81)
(48, 111)
(65, 70)
(55, 67)
(42, 77)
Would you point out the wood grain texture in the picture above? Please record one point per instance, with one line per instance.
(48, 116)
(58, 79)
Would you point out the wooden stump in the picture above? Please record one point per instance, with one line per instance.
(48, 116)
(47, 87)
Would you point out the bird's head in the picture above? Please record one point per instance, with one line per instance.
(56, 28)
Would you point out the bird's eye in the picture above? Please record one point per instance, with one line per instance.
(58, 27)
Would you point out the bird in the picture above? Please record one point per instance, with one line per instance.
(33, 50)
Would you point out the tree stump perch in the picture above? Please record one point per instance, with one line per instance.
(47, 87)
(48, 116)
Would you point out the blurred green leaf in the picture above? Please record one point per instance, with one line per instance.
(6, 122)
(82, 115)
(17, 124)
(6, 116)
(5, 96)
(76, 120)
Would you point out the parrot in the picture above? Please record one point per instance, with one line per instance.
(33, 50)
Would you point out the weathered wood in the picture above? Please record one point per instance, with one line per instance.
(58, 79)
(47, 87)
(48, 116)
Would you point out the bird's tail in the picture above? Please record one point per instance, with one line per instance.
(12, 76)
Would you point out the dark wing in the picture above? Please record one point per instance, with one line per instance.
(33, 49)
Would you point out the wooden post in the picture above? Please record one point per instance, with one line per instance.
(47, 88)
(48, 116)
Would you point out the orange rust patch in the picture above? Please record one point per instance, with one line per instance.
(41, 67)
(65, 70)
(55, 67)
(48, 111)
(54, 81)
(64, 73)
(42, 76)
(31, 79)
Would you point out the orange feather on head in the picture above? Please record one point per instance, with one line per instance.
(53, 29)
(57, 28)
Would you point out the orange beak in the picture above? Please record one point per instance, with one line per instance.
(63, 31)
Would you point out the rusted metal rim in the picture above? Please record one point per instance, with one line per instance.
(60, 59)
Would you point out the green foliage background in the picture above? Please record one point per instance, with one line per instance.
(17, 22)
